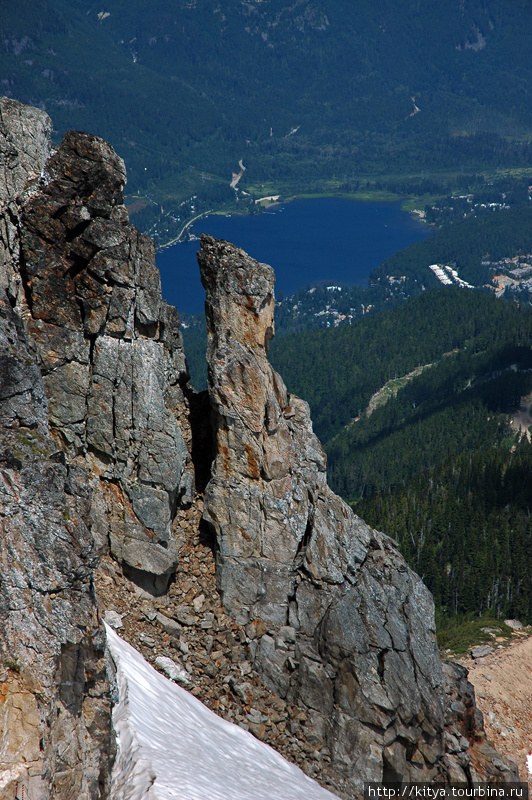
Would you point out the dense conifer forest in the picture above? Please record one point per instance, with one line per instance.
(433, 459)
(338, 370)
(465, 526)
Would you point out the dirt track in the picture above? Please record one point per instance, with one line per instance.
(503, 684)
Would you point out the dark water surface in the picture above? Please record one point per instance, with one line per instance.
(326, 240)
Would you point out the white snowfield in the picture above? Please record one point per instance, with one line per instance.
(171, 746)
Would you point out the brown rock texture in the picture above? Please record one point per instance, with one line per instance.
(190, 625)
(350, 633)
(502, 683)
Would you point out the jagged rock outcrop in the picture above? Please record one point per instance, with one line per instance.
(55, 721)
(110, 351)
(351, 634)
(466, 747)
(93, 445)
(97, 428)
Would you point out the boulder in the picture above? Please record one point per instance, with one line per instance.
(481, 650)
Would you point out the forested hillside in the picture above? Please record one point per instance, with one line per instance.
(465, 526)
(337, 370)
(311, 95)
(457, 405)
(467, 244)
(431, 459)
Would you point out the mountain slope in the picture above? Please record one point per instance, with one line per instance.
(168, 741)
(502, 681)
(432, 459)
(105, 451)
(303, 92)
(337, 370)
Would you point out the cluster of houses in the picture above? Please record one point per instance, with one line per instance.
(449, 276)
(513, 274)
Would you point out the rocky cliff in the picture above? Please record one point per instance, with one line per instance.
(91, 378)
(55, 734)
(324, 644)
(351, 633)
(109, 351)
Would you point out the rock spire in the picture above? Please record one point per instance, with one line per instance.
(97, 494)
(350, 628)
(55, 722)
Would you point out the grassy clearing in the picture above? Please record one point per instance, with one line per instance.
(391, 388)
(418, 203)
(456, 635)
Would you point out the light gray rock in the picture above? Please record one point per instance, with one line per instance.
(113, 619)
(22, 396)
(169, 625)
(52, 664)
(350, 628)
(514, 624)
(25, 136)
(481, 650)
(290, 548)
(110, 351)
(173, 670)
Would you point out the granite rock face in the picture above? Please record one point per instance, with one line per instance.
(110, 352)
(351, 634)
(93, 457)
(55, 731)
(24, 149)
(55, 723)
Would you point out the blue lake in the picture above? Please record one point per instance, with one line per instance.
(326, 240)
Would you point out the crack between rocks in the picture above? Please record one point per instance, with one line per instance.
(22, 262)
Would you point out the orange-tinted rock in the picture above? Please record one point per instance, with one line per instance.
(361, 657)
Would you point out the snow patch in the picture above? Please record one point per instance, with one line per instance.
(171, 746)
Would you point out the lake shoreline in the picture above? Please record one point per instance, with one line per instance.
(308, 241)
(377, 197)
